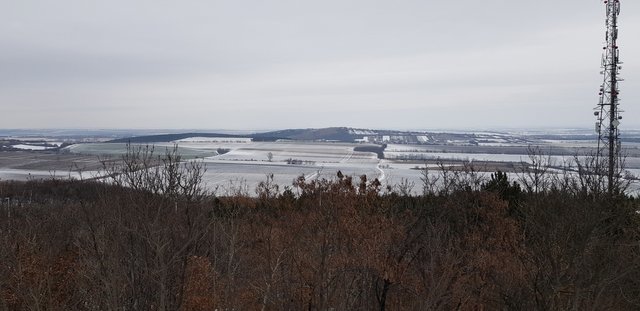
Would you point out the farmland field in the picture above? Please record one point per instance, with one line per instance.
(243, 164)
(234, 165)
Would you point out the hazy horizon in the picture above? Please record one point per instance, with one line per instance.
(550, 130)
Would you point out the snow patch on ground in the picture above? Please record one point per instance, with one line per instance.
(31, 147)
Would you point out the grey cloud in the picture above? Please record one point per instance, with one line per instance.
(276, 64)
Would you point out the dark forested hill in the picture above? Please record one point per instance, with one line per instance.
(325, 134)
(171, 137)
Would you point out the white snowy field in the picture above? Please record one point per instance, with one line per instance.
(24, 174)
(239, 164)
(32, 147)
(248, 164)
(631, 152)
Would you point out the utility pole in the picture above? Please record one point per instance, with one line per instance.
(607, 112)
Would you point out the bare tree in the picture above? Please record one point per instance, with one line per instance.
(429, 181)
(168, 175)
(533, 174)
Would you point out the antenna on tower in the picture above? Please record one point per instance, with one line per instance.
(607, 112)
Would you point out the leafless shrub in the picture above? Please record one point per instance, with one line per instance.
(465, 177)
(588, 176)
(168, 175)
(235, 188)
(470, 176)
(533, 174)
(404, 188)
(268, 188)
(429, 181)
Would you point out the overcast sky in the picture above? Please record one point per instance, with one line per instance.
(274, 64)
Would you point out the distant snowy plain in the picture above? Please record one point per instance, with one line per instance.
(239, 165)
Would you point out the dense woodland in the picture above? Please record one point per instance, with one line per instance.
(152, 238)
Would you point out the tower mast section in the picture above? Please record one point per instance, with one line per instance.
(607, 112)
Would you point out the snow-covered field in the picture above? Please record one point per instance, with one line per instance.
(31, 147)
(240, 164)
(244, 164)
(21, 174)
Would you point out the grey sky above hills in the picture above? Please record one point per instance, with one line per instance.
(297, 64)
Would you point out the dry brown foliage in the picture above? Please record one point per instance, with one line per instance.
(323, 244)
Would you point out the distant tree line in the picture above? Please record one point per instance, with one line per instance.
(377, 149)
(299, 162)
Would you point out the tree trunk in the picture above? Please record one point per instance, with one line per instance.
(383, 296)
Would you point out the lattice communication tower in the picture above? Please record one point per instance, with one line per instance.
(607, 112)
